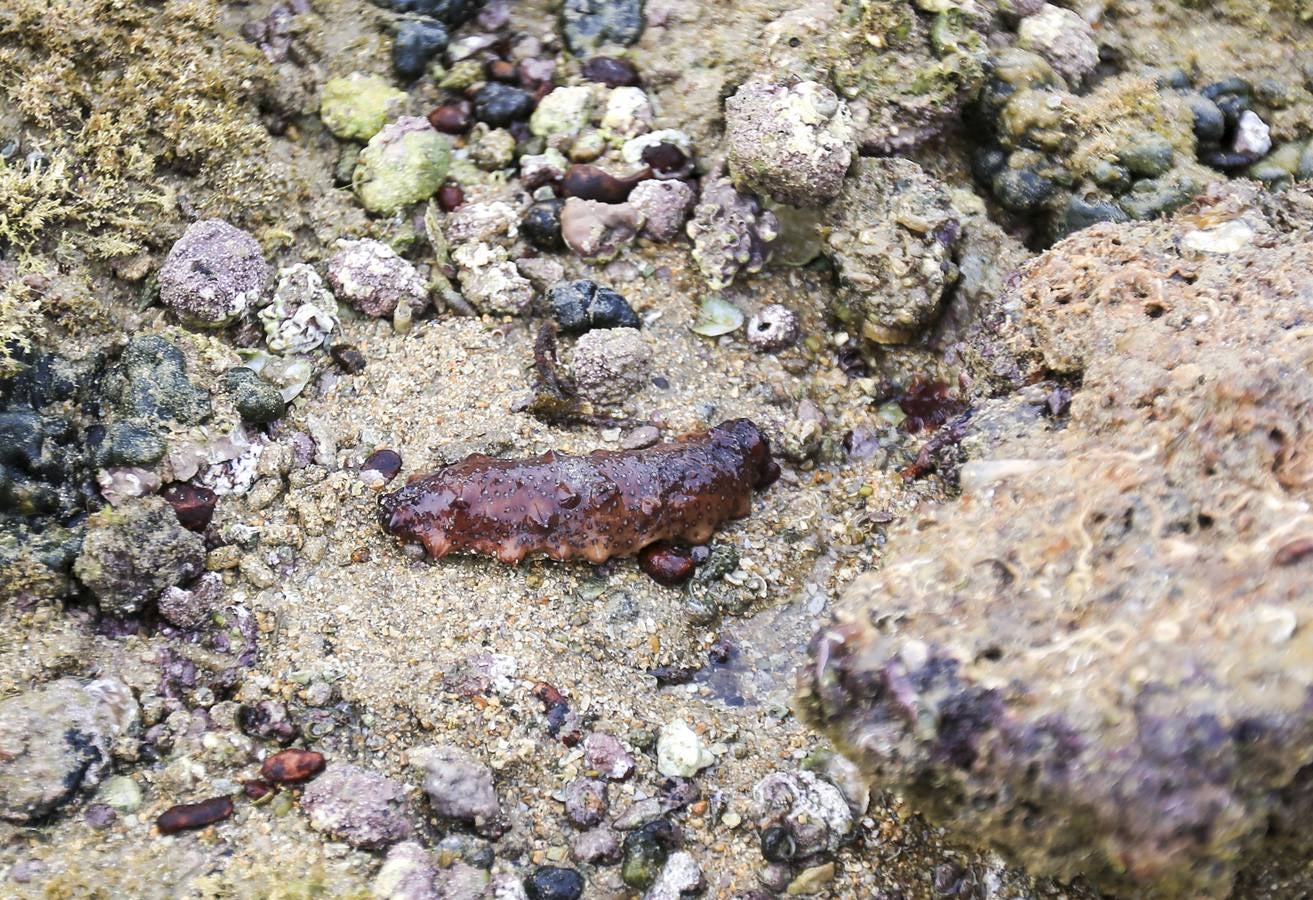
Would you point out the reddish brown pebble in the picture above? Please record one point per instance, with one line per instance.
(348, 358)
(591, 183)
(1294, 552)
(503, 70)
(453, 118)
(610, 71)
(666, 563)
(664, 157)
(287, 766)
(256, 790)
(385, 462)
(450, 196)
(185, 816)
(194, 505)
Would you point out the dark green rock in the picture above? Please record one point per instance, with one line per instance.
(1022, 190)
(1082, 212)
(256, 399)
(1149, 158)
(20, 438)
(150, 382)
(1111, 177)
(1155, 197)
(133, 444)
(645, 852)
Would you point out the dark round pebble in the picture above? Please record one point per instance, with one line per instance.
(1082, 213)
(664, 158)
(451, 196)
(500, 104)
(131, 444)
(256, 400)
(503, 70)
(986, 162)
(1149, 158)
(777, 844)
(542, 225)
(417, 41)
(554, 883)
(288, 766)
(193, 504)
(453, 118)
(1234, 85)
(610, 71)
(669, 565)
(385, 462)
(1022, 190)
(348, 358)
(1209, 123)
(583, 305)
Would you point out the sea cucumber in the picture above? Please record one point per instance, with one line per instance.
(608, 503)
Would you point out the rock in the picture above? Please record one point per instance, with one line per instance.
(1149, 158)
(599, 846)
(256, 400)
(585, 801)
(192, 504)
(402, 164)
(731, 232)
(461, 879)
(132, 444)
(374, 280)
(417, 41)
(893, 232)
(1153, 197)
(554, 883)
(680, 752)
(150, 382)
(646, 851)
(475, 223)
(596, 231)
(1209, 121)
(356, 107)
(664, 206)
(590, 24)
(56, 740)
(628, 112)
(192, 607)
(121, 793)
(361, 807)
(1253, 137)
(406, 874)
(491, 149)
(564, 110)
(583, 304)
(610, 71)
(213, 274)
(303, 312)
(490, 281)
(680, 876)
(268, 720)
(812, 880)
(1152, 729)
(605, 754)
(772, 328)
(1022, 190)
(133, 554)
(500, 104)
(542, 225)
(610, 365)
(1064, 39)
(800, 815)
(458, 786)
(793, 142)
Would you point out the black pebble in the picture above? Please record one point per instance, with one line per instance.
(986, 162)
(583, 305)
(1209, 123)
(417, 42)
(1022, 190)
(500, 104)
(542, 225)
(452, 12)
(554, 883)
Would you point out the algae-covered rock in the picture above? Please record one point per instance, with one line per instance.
(402, 164)
(150, 382)
(56, 740)
(1097, 660)
(131, 555)
(565, 110)
(357, 106)
(892, 233)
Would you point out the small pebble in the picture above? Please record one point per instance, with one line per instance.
(599, 845)
(585, 801)
(500, 104)
(554, 883)
(610, 71)
(542, 225)
(773, 327)
(417, 42)
(348, 358)
(605, 754)
(453, 118)
(381, 466)
(194, 505)
(450, 197)
(667, 564)
(186, 816)
(584, 304)
(99, 816)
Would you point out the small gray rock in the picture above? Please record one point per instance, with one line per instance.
(406, 874)
(192, 607)
(256, 399)
(363, 808)
(458, 786)
(589, 24)
(585, 801)
(597, 846)
(213, 274)
(773, 327)
(610, 365)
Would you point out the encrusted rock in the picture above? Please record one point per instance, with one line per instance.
(609, 365)
(150, 382)
(371, 277)
(303, 312)
(664, 206)
(793, 142)
(490, 281)
(56, 740)
(1064, 39)
(589, 24)
(358, 806)
(133, 554)
(892, 236)
(772, 327)
(565, 110)
(680, 752)
(458, 786)
(213, 273)
(731, 232)
(402, 164)
(356, 107)
(1096, 659)
(406, 874)
(800, 815)
(193, 606)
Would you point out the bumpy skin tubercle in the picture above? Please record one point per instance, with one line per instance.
(608, 503)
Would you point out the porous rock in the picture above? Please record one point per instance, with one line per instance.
(1096, 660)
(371, 277)
(458, 786)
(213, 273)
(610, 364)
(361, 807)
(731, 232)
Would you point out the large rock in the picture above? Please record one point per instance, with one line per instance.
(1098, 659)
(56, 740)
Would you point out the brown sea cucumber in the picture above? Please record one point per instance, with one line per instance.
(608, 503)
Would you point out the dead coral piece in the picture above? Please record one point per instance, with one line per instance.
(731, 232)
(597, 231)
(1091, 660)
